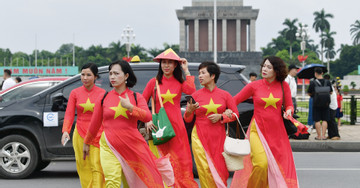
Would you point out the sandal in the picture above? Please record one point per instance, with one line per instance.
(317, 138)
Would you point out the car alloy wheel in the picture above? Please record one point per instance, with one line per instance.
(18, 157)
(15, 157)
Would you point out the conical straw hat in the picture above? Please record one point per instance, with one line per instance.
(167, 54)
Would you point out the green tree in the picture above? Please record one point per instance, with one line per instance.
(329, 43)
(320, 24)
(116, 51)
(290, 31)
(5, 56)
(353, 84)
(313, 47)
(65, 49)
(341, 48)
(355, 32)
(284, 55)
(348, 61)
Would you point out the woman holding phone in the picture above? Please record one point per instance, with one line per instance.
(208, 135)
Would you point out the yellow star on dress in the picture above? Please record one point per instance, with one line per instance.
(119, 110)
(270, 101)
(168, 97)
(88, 106)
(211, 107)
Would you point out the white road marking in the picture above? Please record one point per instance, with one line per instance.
(328, 169)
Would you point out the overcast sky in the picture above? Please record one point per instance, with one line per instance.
(55, 22)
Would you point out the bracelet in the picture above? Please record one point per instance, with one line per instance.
(187, 73)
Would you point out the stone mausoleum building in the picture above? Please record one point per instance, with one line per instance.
(236, 25)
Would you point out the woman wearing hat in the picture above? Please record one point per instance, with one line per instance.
(172, 85)
(271, 162)
(208, 134)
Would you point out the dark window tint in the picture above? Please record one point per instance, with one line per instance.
(143, 77)
(103, 81)
(232, 86)
(25, 91)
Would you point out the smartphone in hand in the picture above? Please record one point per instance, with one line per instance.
(188, 97)
(65, 141)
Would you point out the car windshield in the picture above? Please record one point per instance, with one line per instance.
(25, 91)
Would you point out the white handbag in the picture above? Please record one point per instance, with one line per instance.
(234, 146)
(233, 163)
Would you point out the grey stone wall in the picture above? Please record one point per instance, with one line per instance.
(251, 60)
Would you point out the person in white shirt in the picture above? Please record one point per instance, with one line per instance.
(8, 81)
(290, 79)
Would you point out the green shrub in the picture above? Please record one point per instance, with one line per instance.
(346, 88)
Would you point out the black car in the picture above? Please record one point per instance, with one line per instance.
(30, 128)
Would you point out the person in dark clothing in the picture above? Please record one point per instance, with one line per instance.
(333, 131)
(320, 114)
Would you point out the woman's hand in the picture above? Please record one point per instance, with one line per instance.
(228, 113)
(287, 114)
(192, 107)
(184, 65)
(150, 127)
(214, 117)
(125, 102)
(86, 150)
(65, 136)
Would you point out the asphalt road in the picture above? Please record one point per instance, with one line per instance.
(314, 169)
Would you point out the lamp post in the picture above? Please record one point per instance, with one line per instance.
(129, 36)
(303, 35)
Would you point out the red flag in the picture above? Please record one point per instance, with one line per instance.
(301, 127)
(302, 58)
(127, 59)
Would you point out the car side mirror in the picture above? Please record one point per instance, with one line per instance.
(59, 102)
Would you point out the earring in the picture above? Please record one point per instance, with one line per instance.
(125, 81)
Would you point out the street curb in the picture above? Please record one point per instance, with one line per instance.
(324, 146)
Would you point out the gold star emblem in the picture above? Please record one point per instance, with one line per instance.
(119, 110)
(270, 101)
(88, 106)
(168, 97)
(211, 107)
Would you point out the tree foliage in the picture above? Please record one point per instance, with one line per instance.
(95, 53)
(348, 61)
(355, 32)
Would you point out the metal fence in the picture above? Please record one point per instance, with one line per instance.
(351, 110)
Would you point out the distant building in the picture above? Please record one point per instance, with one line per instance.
(236, 26)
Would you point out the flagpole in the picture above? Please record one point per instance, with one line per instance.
(35, 50)
(215, 33)
(73, 50)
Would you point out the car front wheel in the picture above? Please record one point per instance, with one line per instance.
(18, 157)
